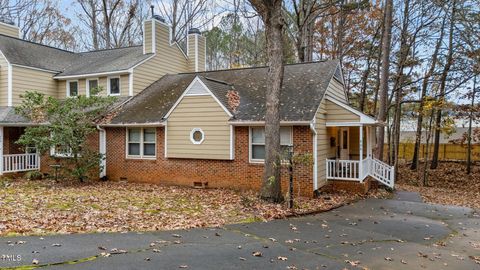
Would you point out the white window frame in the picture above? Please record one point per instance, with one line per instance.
(54, 153)
(68, 88)
(87, 85)
(141, 156)
(250, 143)
(191, 136)
(119, 85)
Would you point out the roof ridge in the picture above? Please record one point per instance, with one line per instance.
(258, 67)
(39, 44)
(217, 81)
(111, 49)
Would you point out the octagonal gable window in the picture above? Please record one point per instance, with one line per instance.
(197, 136)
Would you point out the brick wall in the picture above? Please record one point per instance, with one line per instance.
(236, 174)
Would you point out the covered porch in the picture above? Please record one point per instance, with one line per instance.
(14, 157)
(351, 144)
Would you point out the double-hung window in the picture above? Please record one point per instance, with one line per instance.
(72, 88)
(141, 142)
(92, 86)
(113, 86)
(257, 142)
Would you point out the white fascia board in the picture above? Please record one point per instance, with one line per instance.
(155, 124)
(109, 73)
(9, 86)
(186, 91)
(35, 68)
(262, 123)
(130, 82)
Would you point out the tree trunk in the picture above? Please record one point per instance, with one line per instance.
(443, 82)
(271, 13)
(418, 134)
(469, 142)
(382, 111)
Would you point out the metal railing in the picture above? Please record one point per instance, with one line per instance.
(20, 162)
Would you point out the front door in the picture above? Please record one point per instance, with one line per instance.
(344, 144)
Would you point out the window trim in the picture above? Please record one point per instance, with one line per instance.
(191, 136)
(250, 143)
(109, 92)
(87, 84)
(68, 88)
(54, 153)
(141, 142)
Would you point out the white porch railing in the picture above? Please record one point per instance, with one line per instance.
(21, 162)
(355, 170)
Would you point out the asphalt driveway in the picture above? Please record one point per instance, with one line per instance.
(372, 234)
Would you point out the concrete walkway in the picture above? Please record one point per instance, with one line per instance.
(375, 234)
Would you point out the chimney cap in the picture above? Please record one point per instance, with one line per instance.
(158, 18)
(194, 31)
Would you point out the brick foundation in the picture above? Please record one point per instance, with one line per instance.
(235, 174)
(351, 186)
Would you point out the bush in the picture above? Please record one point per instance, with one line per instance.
(33, 175)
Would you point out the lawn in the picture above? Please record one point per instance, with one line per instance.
(448, 184)
(44, 207)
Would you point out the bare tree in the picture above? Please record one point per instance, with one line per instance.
(271, 13)
(383, 90)
(185, 14)
(443, 82)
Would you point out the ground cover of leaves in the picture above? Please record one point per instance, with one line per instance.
(44, 207)
(448, 184)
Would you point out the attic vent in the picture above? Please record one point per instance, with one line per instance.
(196, 89)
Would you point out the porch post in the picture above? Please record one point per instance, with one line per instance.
(369, 142)
(1, 150)
(360, 149)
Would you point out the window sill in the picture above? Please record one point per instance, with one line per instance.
(140, 158)
(114, 95)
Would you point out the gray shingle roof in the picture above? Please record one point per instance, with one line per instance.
(304, 86)
(67, 63)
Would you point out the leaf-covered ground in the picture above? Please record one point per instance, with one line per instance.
(448, 184)
(43, 207)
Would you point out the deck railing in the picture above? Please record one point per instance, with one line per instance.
(354, 170)
(20, 162)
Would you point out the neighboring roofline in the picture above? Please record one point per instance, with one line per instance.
(85, 75)
(262, 123)
(197, 78)
(35, 68)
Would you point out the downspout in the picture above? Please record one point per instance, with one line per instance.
(315, 157)
(102, 142)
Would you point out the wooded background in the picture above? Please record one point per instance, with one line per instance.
(429, 49)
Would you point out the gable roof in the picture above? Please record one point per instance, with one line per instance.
(304, 86)
(66, 63)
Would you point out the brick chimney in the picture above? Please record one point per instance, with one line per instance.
(196, 50)
(8, 28)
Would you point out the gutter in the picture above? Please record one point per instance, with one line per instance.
(154, 124)
(315, 156)
(102, 149)
(261, 123)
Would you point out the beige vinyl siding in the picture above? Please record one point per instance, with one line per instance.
(191, 52)
(198, 112)
(335, 90)
(3, 81)
(336, 113)
(201, 53)
(9, 30)
(323, 144)
(26, 79)
(102, 82)
(168, 59)
(147, 28)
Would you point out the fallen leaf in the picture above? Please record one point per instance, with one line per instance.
(257, 254)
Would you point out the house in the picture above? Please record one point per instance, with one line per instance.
(123, 72)
(208, 127)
